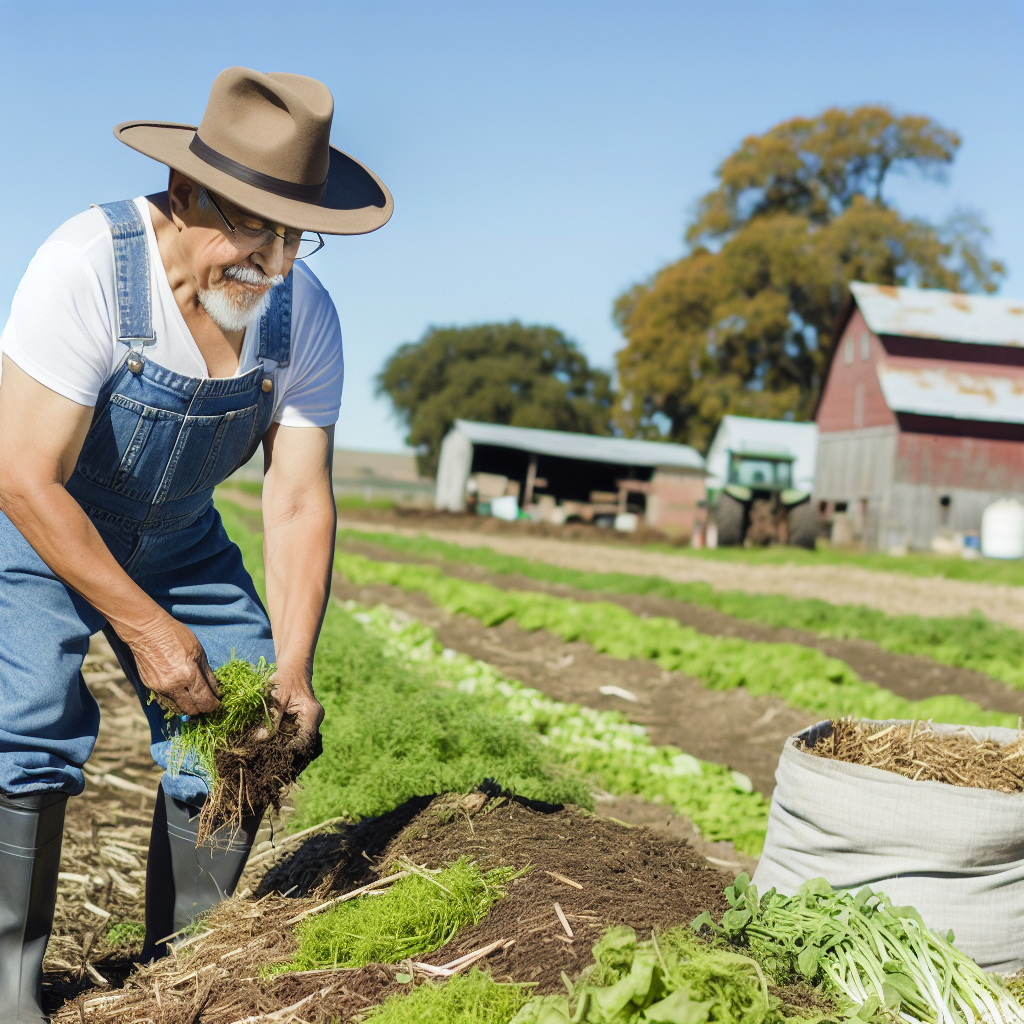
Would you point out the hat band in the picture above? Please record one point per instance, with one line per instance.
(266, 182)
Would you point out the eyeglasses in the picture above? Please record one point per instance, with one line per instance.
(297, 245)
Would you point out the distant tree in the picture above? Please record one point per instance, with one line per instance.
(526, 376)
(742, 323)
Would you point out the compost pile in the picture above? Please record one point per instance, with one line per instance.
(917, 751)
(572, 876)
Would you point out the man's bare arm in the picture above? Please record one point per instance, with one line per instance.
(41, 436)
(299, 524)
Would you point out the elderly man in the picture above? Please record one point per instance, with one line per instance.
(153, 344)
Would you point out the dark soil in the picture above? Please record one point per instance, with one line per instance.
(628, 875)
(253, 774)
(622, 875)
(729, 727)
(908, 675)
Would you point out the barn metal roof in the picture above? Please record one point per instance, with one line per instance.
(588, 447)
(949, 316)
(938, 388)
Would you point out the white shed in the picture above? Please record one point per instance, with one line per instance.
(665, 480)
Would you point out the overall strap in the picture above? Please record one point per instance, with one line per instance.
(276, 324)
(131, 273)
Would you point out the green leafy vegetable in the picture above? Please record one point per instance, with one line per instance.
(673, 978)
(874, 956)
(601, 745)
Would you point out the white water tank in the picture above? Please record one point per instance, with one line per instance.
(1002, 529)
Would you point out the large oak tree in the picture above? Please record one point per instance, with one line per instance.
(527, 376)
(742, 323)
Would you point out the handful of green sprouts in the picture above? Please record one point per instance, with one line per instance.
(245, 762)
(880, 959)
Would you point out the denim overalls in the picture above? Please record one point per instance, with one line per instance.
(158, 445)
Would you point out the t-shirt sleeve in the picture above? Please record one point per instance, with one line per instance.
(59, 332)
(312, 395)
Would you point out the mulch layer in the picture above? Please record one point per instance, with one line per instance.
(598, 872)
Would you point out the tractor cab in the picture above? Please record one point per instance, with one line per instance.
(761, 472)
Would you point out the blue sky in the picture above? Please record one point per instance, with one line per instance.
(544, 156)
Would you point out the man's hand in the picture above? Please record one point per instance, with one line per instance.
(296, 711)
(172, 663)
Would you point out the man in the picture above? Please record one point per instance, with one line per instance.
(152, 345)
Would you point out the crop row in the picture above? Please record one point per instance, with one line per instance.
(603, 746)
(971, 642)
(406, 717)
(803, 677)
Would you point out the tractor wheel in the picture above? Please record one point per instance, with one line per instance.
(730, 515)
(802, 523)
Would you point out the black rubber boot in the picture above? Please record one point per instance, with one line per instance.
(183, 881)
(31, 828)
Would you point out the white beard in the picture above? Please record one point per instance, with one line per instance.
(238, 313)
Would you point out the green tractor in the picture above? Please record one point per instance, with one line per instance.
(759, 505)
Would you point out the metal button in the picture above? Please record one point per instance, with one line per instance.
(134, 363)
(268, 384)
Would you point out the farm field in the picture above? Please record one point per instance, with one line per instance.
(890, 590)
(438, 675)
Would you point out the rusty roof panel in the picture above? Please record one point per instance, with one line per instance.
(934, 388)
(949, 316)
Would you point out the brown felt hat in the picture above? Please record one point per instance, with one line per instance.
(264, 144)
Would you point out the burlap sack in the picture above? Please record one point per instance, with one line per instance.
(956, 854)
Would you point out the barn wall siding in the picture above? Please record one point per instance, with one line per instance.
(852, 398)
(961, 462)
(917, 514)
(856, 467)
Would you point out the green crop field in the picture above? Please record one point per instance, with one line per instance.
(971, 642)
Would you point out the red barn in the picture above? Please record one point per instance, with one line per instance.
(921, 416)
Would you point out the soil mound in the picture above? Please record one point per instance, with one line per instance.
(589, 871)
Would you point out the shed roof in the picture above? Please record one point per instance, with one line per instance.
(587, 447)
(941, 388)
(949, 316)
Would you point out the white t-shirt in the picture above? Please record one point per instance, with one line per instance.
(63, 326)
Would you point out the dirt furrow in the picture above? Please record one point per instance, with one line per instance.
(908, 675)
(730, 727)
(894, 593)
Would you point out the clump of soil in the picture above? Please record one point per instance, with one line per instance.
(917, 751)
(597, 872)
(255, 772)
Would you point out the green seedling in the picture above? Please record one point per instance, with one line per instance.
(418, 914)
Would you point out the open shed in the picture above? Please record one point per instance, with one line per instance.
(581, 474)
(921, 417)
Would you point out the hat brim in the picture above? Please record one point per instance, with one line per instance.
(355, 200)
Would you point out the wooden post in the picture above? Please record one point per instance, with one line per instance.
(531, 479)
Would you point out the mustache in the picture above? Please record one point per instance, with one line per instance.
(252, 276)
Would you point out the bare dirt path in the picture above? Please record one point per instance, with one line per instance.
(893, 593)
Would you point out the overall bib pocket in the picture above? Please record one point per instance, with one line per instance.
(210, 450)
(127, 447)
